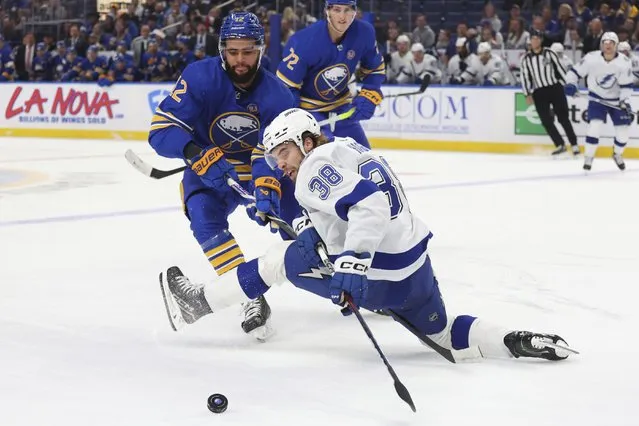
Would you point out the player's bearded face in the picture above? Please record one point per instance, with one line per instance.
(340, 17)
(288, 158)
(242, 60)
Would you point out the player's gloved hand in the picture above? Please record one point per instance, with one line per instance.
(307, 240)
(365, 104)
(456, 81)
(627, 109)
(211, 166)
(267, 201)
(350, 278)
(462, 66)
(570, 89)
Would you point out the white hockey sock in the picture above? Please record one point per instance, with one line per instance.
(590, 149)
(224, 292)
(619, 149)
(489, 339)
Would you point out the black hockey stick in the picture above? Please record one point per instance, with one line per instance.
(422, 89)
(401, 390)
(152, 172)
(446, 353)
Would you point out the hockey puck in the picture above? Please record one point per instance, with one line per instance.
(217, 403)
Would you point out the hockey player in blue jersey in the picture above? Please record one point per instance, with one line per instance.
(213, 120)
(320, 60)
(355, 205)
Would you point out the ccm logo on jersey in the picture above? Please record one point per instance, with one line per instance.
(359, 267)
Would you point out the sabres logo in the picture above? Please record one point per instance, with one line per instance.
(235, 132)
(332, 81)
(607, 81)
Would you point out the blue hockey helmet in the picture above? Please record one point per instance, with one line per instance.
(352, 3)
(240, 25)
(41, 47)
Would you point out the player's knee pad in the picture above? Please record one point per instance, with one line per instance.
(622, 135)
(593, 132)
(223, 252)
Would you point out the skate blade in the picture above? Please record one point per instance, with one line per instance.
(172, 309)
(555, 346)
(263, 333)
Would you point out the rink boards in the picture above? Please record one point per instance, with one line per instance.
(444, 118)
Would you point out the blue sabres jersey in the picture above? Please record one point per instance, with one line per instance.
(321, 70)
(206, 108)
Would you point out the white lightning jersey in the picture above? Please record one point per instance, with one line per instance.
(566, 62)
(494, 70)
(419, 69)
(607, 80)
(471, 69)
(357, 203)
(634, 61)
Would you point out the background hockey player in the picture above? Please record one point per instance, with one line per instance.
(213, 120)
(464, 67)
(356, 206)
(624, 48)
(398, 62)
(566, 62)
(319, 61)
(421, 66)
(492, 69)
(609, 78)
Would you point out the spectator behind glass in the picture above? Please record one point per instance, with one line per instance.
(517, 37)
(583, 15)
(551, 27)
(576, 42)
(390, 45)
(593, 39)
(423, 33)
(496, 40)
(462, 32)
(627, 10)
(208, 41)
(490, 15)
(443, 38)
(606, 16)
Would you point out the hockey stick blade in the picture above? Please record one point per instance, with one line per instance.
(401, 390)
(147, 169)
(421, 90)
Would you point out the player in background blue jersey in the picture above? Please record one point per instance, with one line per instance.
(213, 120)
(320, 60)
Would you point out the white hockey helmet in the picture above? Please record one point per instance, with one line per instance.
(289, 126)
(610, 36)
(624, 46)
(483, 47)
(558, 48)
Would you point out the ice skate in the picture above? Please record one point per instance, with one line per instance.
(257, 314)
(575, 150)
(184, 301)
(588, 163)
(537, 345)
(619, 161)
(560, 150)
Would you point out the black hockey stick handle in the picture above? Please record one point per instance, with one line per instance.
(422, 89)
(401, 390)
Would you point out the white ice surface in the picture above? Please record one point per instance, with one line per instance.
(527, 242)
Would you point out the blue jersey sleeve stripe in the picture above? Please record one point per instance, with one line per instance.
(625, 86)
(363, 189)
(397, 261)
(576, 73)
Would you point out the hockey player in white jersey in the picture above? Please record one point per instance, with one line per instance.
(566, 62)
(624, 47)
(492, 67)
(464, 67)
(420, 66)
(354, 204)
(609, 78)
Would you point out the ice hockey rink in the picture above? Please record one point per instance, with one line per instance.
(527, 242)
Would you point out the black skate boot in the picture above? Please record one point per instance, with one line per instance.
(184, 301)
(619, 161)
(537, 345)
(256, 322)
(560, 150)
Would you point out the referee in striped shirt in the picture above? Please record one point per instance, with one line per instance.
(542, 78)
